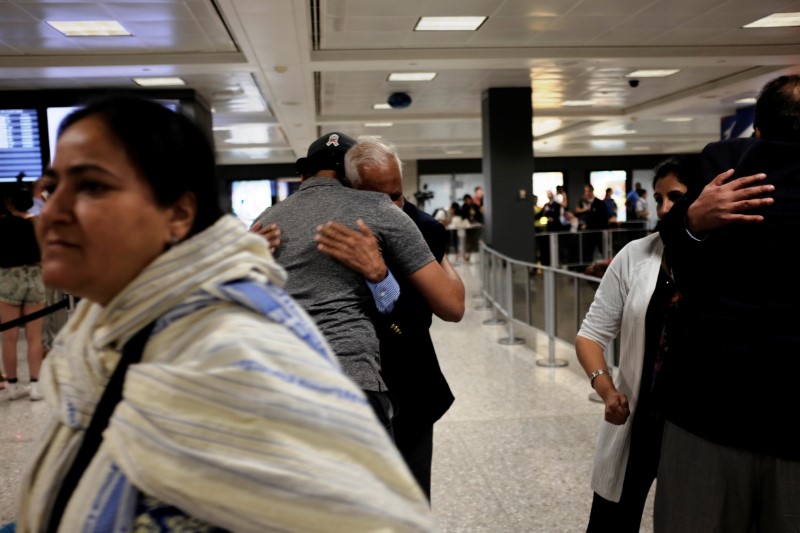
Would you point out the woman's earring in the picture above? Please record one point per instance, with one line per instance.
(173, 241)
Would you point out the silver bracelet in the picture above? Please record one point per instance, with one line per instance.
(596, 373)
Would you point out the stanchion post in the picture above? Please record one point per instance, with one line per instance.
(511, 339)
(495, 320)
(484, 303)
(550, 321)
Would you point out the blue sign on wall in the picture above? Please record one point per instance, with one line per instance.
(738, 125)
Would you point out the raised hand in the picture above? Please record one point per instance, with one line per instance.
(357, 250)
(271, 232)
(722, 203)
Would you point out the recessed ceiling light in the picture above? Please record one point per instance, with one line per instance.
(577, 103)
(454, 152)
(547, 125)
(158, 82)
(88, 28)
(378, 124)
(412, 76)
(776, 20)
(608, 144)
(381, 106)
(678, 119)
(613, 130)
(745, 101)
(449, 23)
(653, 73)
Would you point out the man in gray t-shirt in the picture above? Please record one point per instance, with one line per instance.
(337, 298)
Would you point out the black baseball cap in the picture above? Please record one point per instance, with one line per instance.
(326, 153)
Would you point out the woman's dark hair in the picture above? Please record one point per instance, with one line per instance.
(173, 154)
(684, 168)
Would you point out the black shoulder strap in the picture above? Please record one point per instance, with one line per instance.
(131, 353)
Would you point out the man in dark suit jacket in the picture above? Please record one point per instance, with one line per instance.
(409, 364)
(728, 387)
(594, 216)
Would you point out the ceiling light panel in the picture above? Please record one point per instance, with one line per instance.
(776, 20)
(412, 76)
(449, 23)
(89, 28)
(245, 134)
(159, 82)
(381, 106)
(653, 73)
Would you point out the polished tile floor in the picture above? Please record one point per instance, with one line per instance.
(513, 454)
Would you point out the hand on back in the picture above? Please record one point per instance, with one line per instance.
(724, 202)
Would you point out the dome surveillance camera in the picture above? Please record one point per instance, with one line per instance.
(633, 83)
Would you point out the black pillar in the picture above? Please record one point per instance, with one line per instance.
(507, 117)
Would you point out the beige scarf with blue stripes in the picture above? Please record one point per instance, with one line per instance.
(240, 420)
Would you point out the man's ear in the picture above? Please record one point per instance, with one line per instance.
(756, 133)
(182, 215)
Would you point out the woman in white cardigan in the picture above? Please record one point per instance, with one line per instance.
(631, 301)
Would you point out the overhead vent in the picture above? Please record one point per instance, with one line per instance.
(318, 92)
(315, 24)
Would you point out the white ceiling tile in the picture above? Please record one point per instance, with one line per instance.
(66, 11)
(530, 24)
(202, 9)
(10, 31)
(617, 8)
(515, 8)
(379, 23)
(12, 13)
(164, 28)
(464, 8)
(134, 12)
(331, 8)
(385, 7)
(372, 39)
(659, 23)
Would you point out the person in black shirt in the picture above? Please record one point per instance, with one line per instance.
(21, 289)
(728, 390)
(594, 217)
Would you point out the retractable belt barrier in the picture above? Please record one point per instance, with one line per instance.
(33, 316)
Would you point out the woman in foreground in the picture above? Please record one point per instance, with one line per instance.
(632, 300)
(237, 417)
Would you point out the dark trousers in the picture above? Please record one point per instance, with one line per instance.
(415, 442)
(592, 240)
(381, 404)
(705, 486)
(645, 450)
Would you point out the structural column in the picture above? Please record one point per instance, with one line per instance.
(507, 120)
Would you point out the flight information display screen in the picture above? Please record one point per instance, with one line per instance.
(20, 149)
